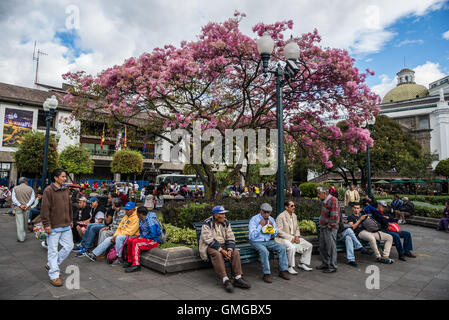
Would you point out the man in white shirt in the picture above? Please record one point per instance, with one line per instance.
(22, 198)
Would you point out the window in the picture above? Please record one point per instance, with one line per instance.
(424, 123)
(5, 169)
(41, 119)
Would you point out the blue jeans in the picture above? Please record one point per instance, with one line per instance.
(102, 247)
(263, 248)
(33, 214)
(351, 243)
(408, 246)
(55, 258)
(92, 230)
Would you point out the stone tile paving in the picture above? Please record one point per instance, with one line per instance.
(22, 276)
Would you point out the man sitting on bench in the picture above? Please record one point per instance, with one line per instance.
(262, 230)
(217, 242)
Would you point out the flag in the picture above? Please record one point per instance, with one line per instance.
(102, 139)
(124, 139)
(144, 144)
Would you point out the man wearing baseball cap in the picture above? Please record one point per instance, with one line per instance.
(217, 243)
(129, 226)
(262, 230)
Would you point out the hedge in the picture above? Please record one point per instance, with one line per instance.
(184, 214)
(435, 200)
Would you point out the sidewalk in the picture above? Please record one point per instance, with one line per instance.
(22, 276)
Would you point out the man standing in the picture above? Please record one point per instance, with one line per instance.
(351, 197)
(290, 237)
(329, 218)
(22, 197)
(57, 218)
(262, 230)
(217, 243)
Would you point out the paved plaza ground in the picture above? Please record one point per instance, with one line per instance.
(22, 276)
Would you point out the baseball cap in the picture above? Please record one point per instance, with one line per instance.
(219, 209)
(383, 203)
(266, 207)
(92, 200)
(129, 206)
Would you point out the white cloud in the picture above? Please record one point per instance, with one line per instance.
(386, 85)
(406, 42)
(427, 73)
(112, 31)
(446, 35)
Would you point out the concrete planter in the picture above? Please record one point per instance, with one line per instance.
(173, 259)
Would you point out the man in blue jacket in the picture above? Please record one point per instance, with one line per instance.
(385, 219)
(262, 230)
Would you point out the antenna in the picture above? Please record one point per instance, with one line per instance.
(36, 58)
(404, 61)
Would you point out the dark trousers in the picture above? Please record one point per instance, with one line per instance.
(218, 262)
(408, 246)
(328, 246)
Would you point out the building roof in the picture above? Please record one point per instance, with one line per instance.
(26, 96)
(405, 91)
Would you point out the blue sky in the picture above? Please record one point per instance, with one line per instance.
(419, 40)
(110, 31)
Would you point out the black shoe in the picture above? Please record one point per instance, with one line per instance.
(353, 264)
(132, 269)
(409, 254)
(402, 258)
(228, 286)
(241, 283)
(329, 270)
(127, 264)
(322, 267)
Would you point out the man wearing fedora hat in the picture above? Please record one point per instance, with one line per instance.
(217, 244)
(262, 231)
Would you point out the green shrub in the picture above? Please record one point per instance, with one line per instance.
(184, 214)
(308, 189)
(180, 235)
(307, 227)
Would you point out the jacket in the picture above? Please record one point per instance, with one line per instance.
(330, 213)
(347, 195)
(149, 227)
(129, 226)
(207, 238)
(383, 218)
(56, 209)
(283, 223)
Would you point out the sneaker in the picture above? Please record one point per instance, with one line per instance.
(267, 278)
(241, 283)
(117, 262)
(44, 245)
(81, 253)
(78, 248)
(409, 254)
(284, 275)
(304, 267)
(291, 270)
(132, 269)
(329, 270)
(127, 264)
(227, 285)
(385, 260)
(56, 282)
(353, 264)
(90, 255)
(322, 267)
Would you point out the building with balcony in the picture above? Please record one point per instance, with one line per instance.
(21, 109)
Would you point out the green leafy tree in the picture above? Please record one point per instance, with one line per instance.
(29, 157)
(127, 161)
(75, 159)
(391, 145)
(442, 168)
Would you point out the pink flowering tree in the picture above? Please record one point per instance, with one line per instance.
(218, 81)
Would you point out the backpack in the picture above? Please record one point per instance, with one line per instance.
(163, 235)
(112, 254)
(370, 224)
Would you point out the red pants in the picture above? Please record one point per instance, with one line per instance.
(135, 245)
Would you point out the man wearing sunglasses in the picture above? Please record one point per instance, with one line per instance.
(290, 237)
(262, 230)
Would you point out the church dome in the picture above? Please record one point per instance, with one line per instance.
(406, 88)
(405, 91)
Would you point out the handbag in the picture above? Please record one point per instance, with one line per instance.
(112, 254)
(394, 227)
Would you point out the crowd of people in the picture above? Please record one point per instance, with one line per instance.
(108, 224)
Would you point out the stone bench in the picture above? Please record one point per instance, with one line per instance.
(423, 221)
